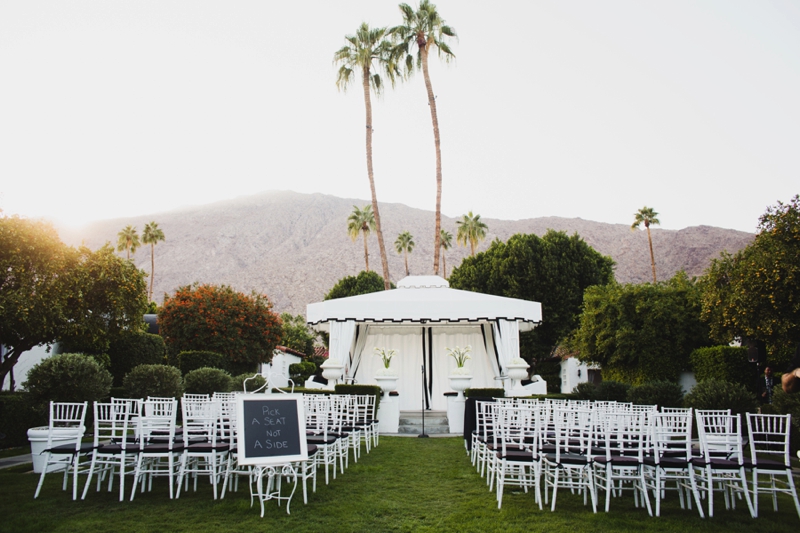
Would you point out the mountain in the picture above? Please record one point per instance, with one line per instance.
(294, 247)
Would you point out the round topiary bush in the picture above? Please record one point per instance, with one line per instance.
(68, 377)
(132, 349)
(153, 380)
(207, 381)
(194, 359)
(237, 382)
(584, 391)
(660, 393)
(611, 391)
(715, 394)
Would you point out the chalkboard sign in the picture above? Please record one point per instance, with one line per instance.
(271, 429)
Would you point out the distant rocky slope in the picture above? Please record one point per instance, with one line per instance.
(294, 247)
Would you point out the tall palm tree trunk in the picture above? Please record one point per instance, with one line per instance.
(152, 269)
(405, 256)
(366, 251)
(381, 247)
(444, 265)
(437, 143)
(652, 257)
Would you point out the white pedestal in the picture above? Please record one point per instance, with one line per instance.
(455, 414)
(389, 415)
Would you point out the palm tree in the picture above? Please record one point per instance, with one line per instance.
(446, 242)
(152, 235)
(471, 229)
(365, 50)
(361, 221)
(128, 240)
(404, 245)
(422, 30)
(647, 216)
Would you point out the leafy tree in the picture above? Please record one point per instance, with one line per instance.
(134, 348)
(33, 266)
(423, 30)
(404, 245)
(723, 363)
(49, 292)
(361, 221)
(367, 51)
(296, 334)
(472, 230)
(152, 235)
(219, 319)
(128, 240)
(554, 270)
(446, 242)
(756, 292)
(364, 283)
(641, 333)
(106, 297)
(647, 216)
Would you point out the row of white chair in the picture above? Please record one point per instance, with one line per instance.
(140, 438)
(592, 447)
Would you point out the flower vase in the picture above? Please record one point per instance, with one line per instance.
(460, 383)
(332, 370)
(517, 371)
(387, 383)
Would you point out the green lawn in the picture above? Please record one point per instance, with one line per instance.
(405, 484)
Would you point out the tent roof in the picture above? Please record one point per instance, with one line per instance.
(424, 299)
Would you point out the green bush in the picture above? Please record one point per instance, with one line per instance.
(153, 380)
(237, 382)
(485, 393)
(192, 360)
(17, 414)
(132, 349)
(207, 381)
(784, 404)
(68, 377)
(716, 394)
(723, 363)
(235, 368)
(300, 372)
(584, 391)
(607, 391)
(611, 391)
(660, 393)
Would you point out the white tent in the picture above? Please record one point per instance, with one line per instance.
(420, 319)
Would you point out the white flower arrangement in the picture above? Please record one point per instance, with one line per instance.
(518, 361)
(386, 356)
(461, 355)
(461, 371)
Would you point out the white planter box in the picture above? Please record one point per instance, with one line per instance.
(38, 438)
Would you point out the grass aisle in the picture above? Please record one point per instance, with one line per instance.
(404, 485)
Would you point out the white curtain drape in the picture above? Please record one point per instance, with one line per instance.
(358, 350)
(340, 342)
(506, 340)
(407, 342)
(442, 364)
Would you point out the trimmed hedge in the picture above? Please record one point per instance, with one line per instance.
(723, 363)
(485, 393)
(132, 349)
(716, 394)
(68, 377)
(17, 415)
(153, 380)
(660, 393)
(207, 381)
(192, 360)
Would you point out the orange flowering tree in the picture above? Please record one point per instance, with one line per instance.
(219, 319)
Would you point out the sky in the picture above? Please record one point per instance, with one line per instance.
(585, 108)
